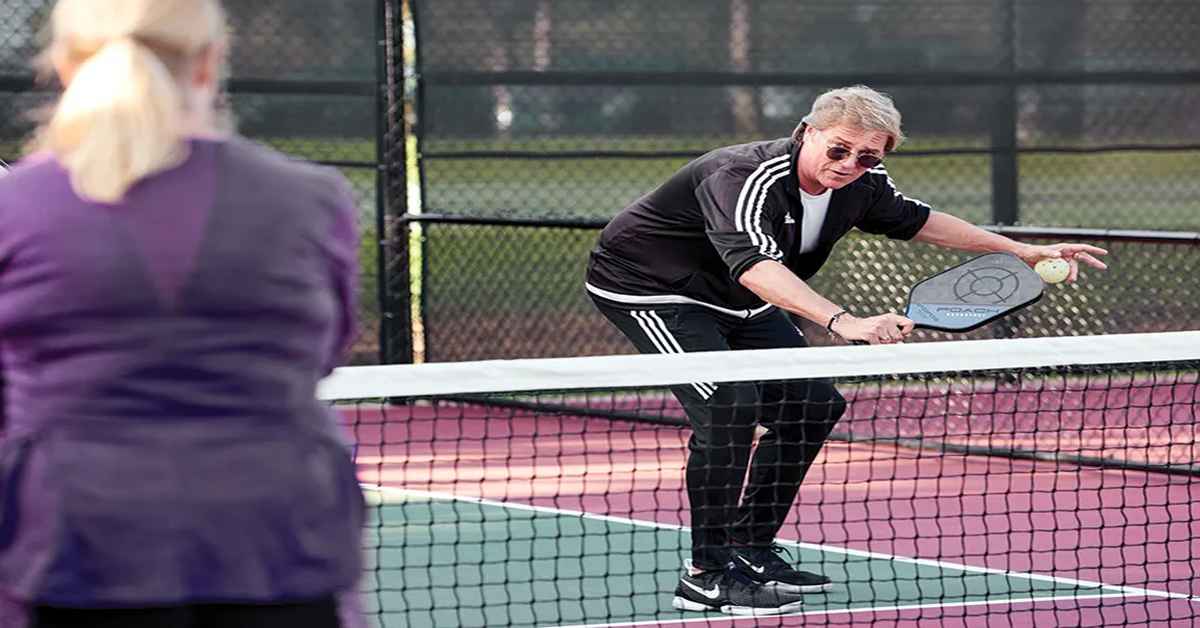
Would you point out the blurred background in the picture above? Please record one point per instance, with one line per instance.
(490, 140)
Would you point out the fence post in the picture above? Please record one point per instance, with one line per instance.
(391, 186)
(1005, 209)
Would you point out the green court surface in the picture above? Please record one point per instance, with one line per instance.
(442, 561)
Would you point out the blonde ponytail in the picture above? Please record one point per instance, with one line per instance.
(125, 110)
(119, 120)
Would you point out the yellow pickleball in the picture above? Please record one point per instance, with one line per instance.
(1053, 269)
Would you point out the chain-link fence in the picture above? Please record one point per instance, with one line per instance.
(304, 78)
(538, 120)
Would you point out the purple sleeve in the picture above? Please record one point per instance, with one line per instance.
(343, 254)
(3, 404)
(4, 254)
(13, 613)
(350, 609)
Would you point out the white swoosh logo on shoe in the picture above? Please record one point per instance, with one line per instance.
(711, 594)
(751, 565)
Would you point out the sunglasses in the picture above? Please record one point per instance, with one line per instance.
(864, 160)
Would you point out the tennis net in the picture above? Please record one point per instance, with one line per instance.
(1006, 482)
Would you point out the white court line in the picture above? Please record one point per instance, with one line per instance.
(1122, 590)
(846, 611)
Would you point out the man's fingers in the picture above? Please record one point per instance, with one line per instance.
(893, 328)
(1087, 259)
(887, 329)
(1085, 248)
(1074, 248)
(1091, 261)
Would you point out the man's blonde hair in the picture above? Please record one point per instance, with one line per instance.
(120, 118)
(857, 106)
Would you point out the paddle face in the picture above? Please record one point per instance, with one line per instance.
(974, 293)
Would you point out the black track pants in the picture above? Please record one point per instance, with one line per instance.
(798, 415)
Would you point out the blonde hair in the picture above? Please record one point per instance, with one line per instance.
(121, 116)
(856, 106)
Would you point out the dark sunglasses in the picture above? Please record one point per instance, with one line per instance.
(839, 153)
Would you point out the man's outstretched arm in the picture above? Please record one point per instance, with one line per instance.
(955, 233)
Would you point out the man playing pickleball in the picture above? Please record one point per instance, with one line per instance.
(710, 261)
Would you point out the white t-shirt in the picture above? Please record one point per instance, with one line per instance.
(814, 216)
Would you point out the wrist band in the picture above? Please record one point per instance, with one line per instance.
(833, 319)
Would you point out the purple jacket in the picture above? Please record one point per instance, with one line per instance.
(162, 442)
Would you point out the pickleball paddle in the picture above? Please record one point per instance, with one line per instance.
(974, 293)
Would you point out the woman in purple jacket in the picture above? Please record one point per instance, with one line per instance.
(170, 295)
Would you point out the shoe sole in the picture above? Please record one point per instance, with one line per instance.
(684, 604)
(784, 587)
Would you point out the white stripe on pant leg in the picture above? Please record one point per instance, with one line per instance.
(659, 327)
(706, 389)
(662, 339)
(658, 343)
(662, 327)
(665, 344)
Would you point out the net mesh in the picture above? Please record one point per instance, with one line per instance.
(1009, 482)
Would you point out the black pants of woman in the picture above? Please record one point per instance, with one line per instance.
(319, 614)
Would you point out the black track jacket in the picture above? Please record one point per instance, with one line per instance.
(689, 240)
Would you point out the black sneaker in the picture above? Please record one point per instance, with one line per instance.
(731, 592)
(764, 565)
